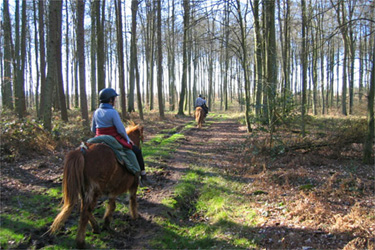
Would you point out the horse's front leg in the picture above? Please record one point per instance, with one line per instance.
(108, 216)
(133, 202)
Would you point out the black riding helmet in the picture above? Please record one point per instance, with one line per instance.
(106, 94)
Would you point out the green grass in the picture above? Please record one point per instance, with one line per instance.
(28, 213)
(161, 146)
(206, 212)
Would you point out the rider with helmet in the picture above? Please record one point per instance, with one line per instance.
(106, 121)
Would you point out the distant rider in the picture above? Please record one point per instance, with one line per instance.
(201, 102)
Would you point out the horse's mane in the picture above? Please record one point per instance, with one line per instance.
(132, 127)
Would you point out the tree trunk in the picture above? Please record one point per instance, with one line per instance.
(93, 53)
(226, 59)
(304, 67)
(120, 56)
(67, 52)
(341, 18)
(52, 64)
(36, 59)
(134, 8)
(244, 64)
(361, 62)
(60, 83)
(258, 59)
(139, 92)
(160, 65)
(81, 61)
(271, 62)
(6, 88)
(368, 151)
(171, 58)
(100, 45)
(42, 58)
(186, 6)
(19, 90)
(211, 68)
(314, 70)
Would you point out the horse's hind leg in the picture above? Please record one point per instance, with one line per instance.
(108, 216)
(133, 203)
(84, 218)
(93, 222)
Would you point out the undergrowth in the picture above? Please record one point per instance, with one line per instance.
(22, 138)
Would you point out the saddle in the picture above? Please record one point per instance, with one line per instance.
(124, 156)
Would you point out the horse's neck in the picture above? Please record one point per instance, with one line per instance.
(134, 136)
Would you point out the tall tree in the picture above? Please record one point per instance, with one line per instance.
(150, 32)
(81, 60)
(243, 56)
(314, 70)
(210, 55)
(36, 58)
(60, 83)
(304, 67)
(171, 56)
(139, 95)
(186, 7)
(42, 57)
(226, 57)
(160, 64)
(52, 64)
(19, 90)
(284, 25)
(341, 15)
(258, 57)
(93, 53)
(6, 88)
(67, 51)
(134, 9)
(100, 44)
(368, 146)
(271, 62)
(120, 56)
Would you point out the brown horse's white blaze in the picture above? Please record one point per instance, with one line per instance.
(88, 174)
(199, 116)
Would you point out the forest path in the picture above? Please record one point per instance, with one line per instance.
(206, 147)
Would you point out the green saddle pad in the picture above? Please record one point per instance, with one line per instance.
(124, 156)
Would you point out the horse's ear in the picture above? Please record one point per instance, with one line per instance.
(132, 123)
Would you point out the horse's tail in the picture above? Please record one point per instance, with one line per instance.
(73, 184)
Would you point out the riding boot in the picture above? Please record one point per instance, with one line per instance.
(145, 181)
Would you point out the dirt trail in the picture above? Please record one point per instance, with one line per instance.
(205, 147)
(221, 145)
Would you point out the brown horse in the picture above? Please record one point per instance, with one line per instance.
(90, 172)
(199, 116)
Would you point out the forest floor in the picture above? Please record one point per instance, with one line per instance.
(302, 197)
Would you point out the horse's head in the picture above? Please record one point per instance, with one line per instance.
(135, 133)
